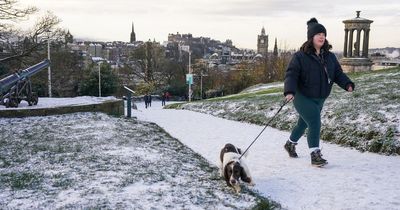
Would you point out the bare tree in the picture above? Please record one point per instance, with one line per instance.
(9, 12)
(24, 44)
(148, 62)
(19, 45)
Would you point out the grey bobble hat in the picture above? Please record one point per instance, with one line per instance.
(313, 27)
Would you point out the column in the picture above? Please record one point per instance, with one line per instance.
(357, 54)
(346, 38)
(365, 47)
(367, 42)
(350, 44)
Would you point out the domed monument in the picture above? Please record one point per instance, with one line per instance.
(355, 52)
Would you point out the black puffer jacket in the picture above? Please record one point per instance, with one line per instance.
(307, 73)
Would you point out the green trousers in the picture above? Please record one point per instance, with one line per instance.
(309, 110)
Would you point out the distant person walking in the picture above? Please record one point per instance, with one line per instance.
(167, 96)
(308, 82)
(149, 102)
(146, 100)
(163, 96)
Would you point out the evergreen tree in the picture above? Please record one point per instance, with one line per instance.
(90, 84)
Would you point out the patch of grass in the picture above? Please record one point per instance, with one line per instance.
(22, 180)
(39, 148)
(62, 181)
(382, 71)
(2, 142)
(174, 106)
(4, 163)
(391, 96)
(241, 96)
(262, 202)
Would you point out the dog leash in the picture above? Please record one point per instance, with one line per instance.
(283, 104)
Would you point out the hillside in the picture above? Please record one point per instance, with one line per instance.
(367, 119)
(95, 161)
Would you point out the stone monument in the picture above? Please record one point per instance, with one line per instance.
(355, 59)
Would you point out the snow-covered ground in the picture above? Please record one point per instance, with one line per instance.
(351, 180)
(367, 119)
(57, 102)
(260, 87)
(95, 161)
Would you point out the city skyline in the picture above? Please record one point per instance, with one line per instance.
(240, 21)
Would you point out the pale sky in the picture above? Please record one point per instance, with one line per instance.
(238, 20)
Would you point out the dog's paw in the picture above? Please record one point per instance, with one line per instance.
(237, 189)
(221, 173)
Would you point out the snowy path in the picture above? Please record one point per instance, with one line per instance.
(351, 180)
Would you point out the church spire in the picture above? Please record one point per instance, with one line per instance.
(263, 31)
(133, 35)
(276, 48)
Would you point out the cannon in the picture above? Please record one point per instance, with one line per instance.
(17, 87)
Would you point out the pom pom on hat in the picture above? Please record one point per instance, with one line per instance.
(312, 20)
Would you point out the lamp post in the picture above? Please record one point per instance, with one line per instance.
(201, 85)
(190, 72)
(99, 65)
(189, 76)
(201, 79)
(49, 69)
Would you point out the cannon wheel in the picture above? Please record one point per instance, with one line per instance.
(7, 102)
(30, 99)
(35, 99)
(12, 103)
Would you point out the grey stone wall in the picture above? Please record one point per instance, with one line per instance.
(115, 107)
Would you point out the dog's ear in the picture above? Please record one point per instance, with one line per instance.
(227, 175)
(243, 175)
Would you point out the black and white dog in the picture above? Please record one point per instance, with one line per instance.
(233, 169)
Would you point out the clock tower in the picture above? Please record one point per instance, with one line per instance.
(262, 43)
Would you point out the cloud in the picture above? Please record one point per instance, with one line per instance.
(239, 20)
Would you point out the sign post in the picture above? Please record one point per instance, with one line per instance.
(129, 101)
(189, 81)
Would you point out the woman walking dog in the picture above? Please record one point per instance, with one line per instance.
(308, 82)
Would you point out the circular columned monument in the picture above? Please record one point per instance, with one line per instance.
(356, 39)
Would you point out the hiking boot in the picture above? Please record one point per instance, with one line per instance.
(316, 158)
(290, 147)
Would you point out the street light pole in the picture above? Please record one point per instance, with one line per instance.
(201, 85)
(49, 69)
(190, 72)
(99, 80)
(201, 81)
